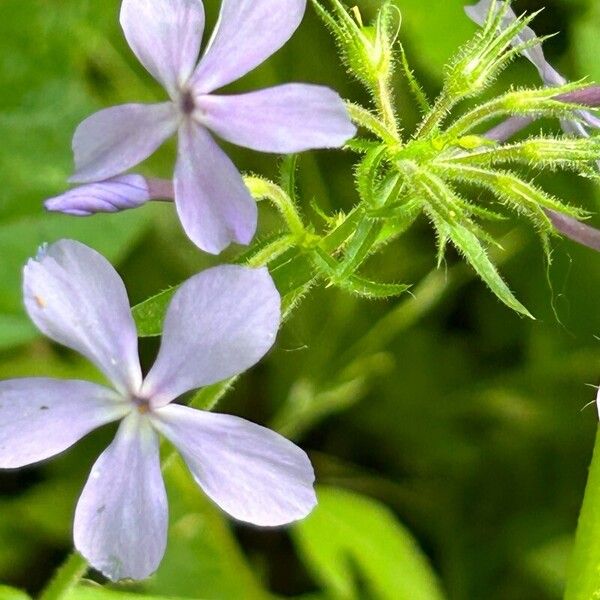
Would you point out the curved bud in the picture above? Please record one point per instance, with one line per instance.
(112, 195)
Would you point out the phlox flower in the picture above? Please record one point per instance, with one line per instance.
(218, 324)
(214, 205)
(585, 120)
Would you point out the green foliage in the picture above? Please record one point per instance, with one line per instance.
(349, 533)
(84, 592)
(7, 593)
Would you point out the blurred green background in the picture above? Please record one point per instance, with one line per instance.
(444, 422)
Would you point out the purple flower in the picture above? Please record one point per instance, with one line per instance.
(213, 203)
(549, 75)
(219, 323)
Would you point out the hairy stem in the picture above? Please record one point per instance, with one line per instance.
(66, 578)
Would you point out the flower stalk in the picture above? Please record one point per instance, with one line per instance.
(66, 578)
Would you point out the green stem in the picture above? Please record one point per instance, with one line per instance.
(66, 578)
(583, 581)
(262, 188)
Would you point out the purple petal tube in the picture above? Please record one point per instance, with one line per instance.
(575, 230)
(109, 196)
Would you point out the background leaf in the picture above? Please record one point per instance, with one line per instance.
(350, 539)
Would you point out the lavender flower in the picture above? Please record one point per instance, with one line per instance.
(213, 203)
(585, 120)
(219, 323)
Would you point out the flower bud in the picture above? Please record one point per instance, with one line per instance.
(367, 50)
(112, 195)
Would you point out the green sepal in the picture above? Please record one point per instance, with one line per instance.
(475, 254)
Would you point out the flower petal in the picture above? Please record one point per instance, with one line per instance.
(251, 472)
(214, 205)
(112, 195)
(165, 35)
(283, 119)
(40, 417)
(118, 138)
(219, 323)
(248, 32)
(550, 76)
(121, 519)
(76, 298)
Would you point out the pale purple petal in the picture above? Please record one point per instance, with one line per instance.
(219, 323)
(248, 32)
(251, 472)
(214, 205)
(41, 417)
(165, 35)
(121, 519)
(118, 138)
(76, 298)
(535, 54)
(283, 119)
(112, 195)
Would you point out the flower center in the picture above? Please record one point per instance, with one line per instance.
(142, 404)
(187, 103)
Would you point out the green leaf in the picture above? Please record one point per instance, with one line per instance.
(150, 314)
(87, 592)
(348, 533)
(470, 247)
(8, 593)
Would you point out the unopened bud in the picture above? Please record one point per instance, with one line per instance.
(109, 196)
